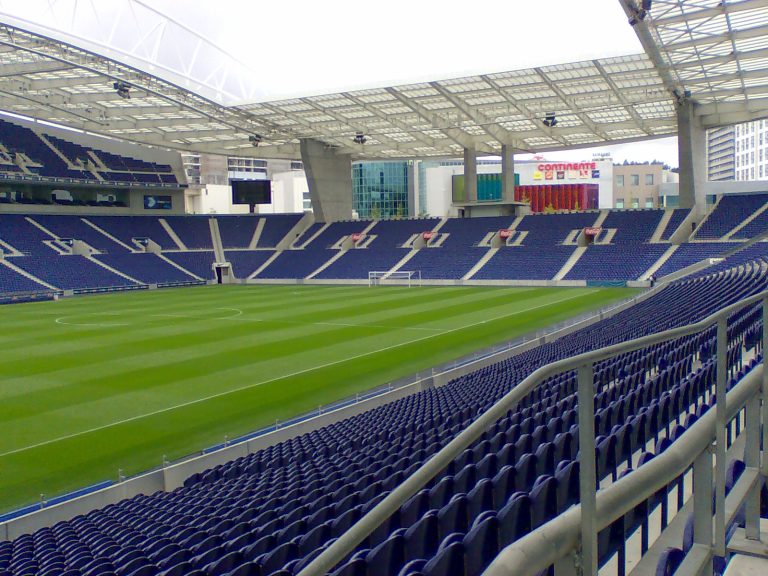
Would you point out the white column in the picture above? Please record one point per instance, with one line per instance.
(470, 174)
(507, 173)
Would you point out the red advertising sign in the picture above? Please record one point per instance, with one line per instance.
(427, 235)
(504, 234)
(357, 236)
(592, 231)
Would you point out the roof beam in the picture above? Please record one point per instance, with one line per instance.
(744, 34)
(439, 123)
(51, 83)
(36, 67)
(423, 138)
(713, 12)
(620, 95)
(725, 59)
(586, 120)
(499, 133)
(390, 143)
(525, 111)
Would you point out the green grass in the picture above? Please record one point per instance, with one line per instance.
(94, 384)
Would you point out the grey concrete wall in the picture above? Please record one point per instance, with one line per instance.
(329, 177)
(692, 152)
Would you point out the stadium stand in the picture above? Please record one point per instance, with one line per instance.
(125, 228)
(382, 253)
(146, 268)
(12, 282)
(615, 262)
(71, 272)
(272, 511)
(678, 215)
(301, 263)
(24, 236)
(276, 227)
(246, 262)
(46, 156)
(538, 251)
(688, 254)
(237, 231)
(730, 211)
(74, 227)
(193, 231)
(459, 252)
(199, 263)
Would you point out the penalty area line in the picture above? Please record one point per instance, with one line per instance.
(271, 380)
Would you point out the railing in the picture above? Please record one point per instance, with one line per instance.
(576, 530)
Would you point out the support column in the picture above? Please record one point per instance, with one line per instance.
(507, 173)
(692, 153)
(470, 174)
(329, 177)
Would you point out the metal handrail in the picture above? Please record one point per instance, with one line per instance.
(557, 538)
(347, 542)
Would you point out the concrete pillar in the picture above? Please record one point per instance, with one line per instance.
(329, 177)
(470, 174)
(692, 154)
(507, 173)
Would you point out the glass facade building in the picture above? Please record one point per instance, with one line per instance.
(380, 189)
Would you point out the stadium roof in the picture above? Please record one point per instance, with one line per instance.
(717, 51)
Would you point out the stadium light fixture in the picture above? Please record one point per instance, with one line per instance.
(123, 89)
(360, 138)
(550, 120)
(255, 140)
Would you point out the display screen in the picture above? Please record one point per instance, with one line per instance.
(152, 202)
(251, 191)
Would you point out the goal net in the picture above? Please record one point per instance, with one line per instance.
(401, 277)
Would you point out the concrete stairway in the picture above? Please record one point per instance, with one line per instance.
(744, 223)
(660, 262)
(570, 263)
(218, 246)
(8, 264)
(114, 270)
(178, 266)
(107, 234)
(257, 234)
(662, 226)
(480, 263)
(172, 234)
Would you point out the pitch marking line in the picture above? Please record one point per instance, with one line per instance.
(283, 377)
(64, 322)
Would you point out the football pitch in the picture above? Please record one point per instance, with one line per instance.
(95, 384)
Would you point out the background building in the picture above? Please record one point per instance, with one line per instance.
(751, 142)
(209, 177)
(721, 146)
(382, 190)
(637, 185)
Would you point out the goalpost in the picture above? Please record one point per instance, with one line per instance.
(405, 277)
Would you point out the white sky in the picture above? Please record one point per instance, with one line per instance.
(662, 149)
(305, 47)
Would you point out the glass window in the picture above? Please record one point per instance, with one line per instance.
(620, 180)
(635, 202)
(648, 202)
(619, 202)
(649, 179)
(634, 179)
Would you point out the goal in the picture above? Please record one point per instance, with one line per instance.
(401, 277)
